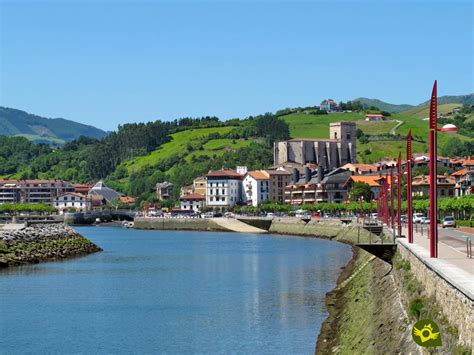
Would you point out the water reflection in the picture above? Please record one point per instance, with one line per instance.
(155, 291)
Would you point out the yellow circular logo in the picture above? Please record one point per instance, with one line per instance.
(426, 333)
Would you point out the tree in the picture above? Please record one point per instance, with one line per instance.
(360, 189)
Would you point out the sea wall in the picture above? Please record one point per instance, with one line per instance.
(42, 242)
(198, 224)
(452, 309)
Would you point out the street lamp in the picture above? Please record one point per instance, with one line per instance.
(434, 169)
(409, 205)
(399, 194)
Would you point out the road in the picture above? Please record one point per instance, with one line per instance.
(454, 238)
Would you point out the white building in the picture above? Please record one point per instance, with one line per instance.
(223, 188)
(74, 200)
(256, 187)
(192, 201)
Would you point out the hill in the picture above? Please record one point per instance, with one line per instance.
(459, 99)
(384, 106)
(54, 131)
(424, 111)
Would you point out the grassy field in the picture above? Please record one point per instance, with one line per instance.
(37, 138)
(316, 126)
(376, 127)
(177, 145)
(424, 111)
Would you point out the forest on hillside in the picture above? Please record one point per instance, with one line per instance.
(88, 159)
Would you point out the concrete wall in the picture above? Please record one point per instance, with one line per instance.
(198, 224)
(457, 307)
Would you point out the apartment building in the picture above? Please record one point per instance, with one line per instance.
(223, 188)
(278, 180)
(255, 187)
(33, 191)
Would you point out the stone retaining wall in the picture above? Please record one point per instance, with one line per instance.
(457, 307)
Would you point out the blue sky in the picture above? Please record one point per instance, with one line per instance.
(110, 62)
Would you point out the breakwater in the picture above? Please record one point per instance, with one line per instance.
(42, 242)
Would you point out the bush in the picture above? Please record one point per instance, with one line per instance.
(465, 223)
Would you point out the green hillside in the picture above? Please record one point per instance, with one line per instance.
(55, 131)
(384, 106)
(198, 139)
(424, 111)
(456, 99)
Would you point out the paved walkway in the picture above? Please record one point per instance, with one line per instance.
(452, 262)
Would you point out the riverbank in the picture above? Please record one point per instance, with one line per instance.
(41, 242)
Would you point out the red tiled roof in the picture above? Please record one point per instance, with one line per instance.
(258, 174)
(371, 180)
(224, 172)
(192, 196)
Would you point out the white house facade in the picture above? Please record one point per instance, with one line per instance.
(79, 202)
(192, 201)
(223, 189)
(256, 187)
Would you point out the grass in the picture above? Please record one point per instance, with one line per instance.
(177, 145)
(424, 111)
(316, 126)
(376, 127)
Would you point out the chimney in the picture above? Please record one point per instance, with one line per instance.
(357, 170)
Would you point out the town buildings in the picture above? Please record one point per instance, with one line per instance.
(223, 189)
(278, 180)
(329, 105)
(374, 117)
(255, 187)
(164, 190)
(72, 201)
(330, 154)
(192, 201)
(106, 194)
(199, 185)
(32, 191)
(319, 188)
(445, 185)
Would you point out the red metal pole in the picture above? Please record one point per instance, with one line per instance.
(392, 207)
(399, 195)
(387, 221)
(433, 174)
(409, 209)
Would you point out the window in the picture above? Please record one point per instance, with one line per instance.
(65, 198)
(73, 203)
(223, 191)
(348, 136)
(211, 198)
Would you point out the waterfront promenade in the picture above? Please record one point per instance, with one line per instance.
(452, 263)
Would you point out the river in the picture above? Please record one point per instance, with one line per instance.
(175, 292)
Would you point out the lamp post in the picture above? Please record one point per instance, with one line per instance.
(399, 194)
(409, 205)
(434, 169)
(392, 209)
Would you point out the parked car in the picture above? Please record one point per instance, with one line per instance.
(404, 218)
(449, 221)
(207, 215)
(425, 220)
(417, 217)
(270, 214)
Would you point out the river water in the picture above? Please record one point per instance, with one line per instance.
(174, 292)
